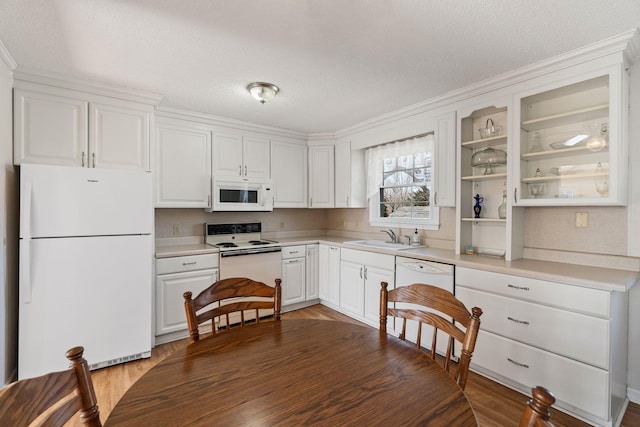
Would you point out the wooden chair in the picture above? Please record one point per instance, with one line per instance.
(52, 399)
(226, 292)
(432, 297)
(537, 412)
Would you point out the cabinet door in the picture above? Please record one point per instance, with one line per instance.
(373, 276)
(329, 274)
(227, 154)
(289, 174)
(352, 288)
(444, 166)
(350, 179)
(183, 167)
(170, 315)
(312, 272)
(49, 129)
(119, 137)
(321, 178)
(256, 157)
(293, 281)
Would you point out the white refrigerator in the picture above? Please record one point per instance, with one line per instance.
(86, 255)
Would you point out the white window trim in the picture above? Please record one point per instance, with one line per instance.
(374, 174)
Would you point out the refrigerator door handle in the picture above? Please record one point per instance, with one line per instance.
(25, 270)
(26, 187)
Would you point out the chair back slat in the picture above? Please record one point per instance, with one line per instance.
(430, 304)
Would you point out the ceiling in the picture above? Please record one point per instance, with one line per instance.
(337, 62)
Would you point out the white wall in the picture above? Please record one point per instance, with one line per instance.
(8, 227)
(634, 231)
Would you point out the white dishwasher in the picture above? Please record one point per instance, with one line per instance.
(409, 271)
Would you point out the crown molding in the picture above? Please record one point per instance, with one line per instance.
(97, 88)
(627, 44)
(6, 57)
(209, 119)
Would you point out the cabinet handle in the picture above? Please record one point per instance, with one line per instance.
(240, 170)
(522, 365)
(333, 248)
(522, 322)
(83, 159)
(245, 170)
(93, 159)
(365, 273)
(515, 195)
(293, 252)
(348, 201)
(435, 198)
(361, 272)
(520, 288)
(189, 263)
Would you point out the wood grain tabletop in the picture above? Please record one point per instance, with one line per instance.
(295, 372)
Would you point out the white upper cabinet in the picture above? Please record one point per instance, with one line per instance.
(49, 129)
(182, 177)
(350, 177)
(486, 222)
(445, 164)
(118, 137)
(238, 155)
(321, 176)
(572, 148)
(69, 128)
(289, 174)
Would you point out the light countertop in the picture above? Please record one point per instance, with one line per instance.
(592, 277)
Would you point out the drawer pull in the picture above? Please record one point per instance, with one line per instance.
(522, 322)
(521, 288)
(189, 263)
(522, 365)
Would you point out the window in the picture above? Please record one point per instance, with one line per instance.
(400, 183)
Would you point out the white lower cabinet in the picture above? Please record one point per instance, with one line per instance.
(569, 339)
(299, 276)
(329, 275)
(175, 276)
(360, 275)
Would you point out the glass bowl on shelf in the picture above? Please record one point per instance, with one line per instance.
(488, 159)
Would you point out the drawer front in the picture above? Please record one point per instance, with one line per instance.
(581, 386)
(297, 251)
(580, 337)
(179, 264)
(575, 298)
(385, 262)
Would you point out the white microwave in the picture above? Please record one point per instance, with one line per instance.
(241, 195)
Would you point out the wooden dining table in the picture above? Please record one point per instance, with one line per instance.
(295, 372)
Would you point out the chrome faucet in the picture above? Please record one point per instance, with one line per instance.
(391, 234)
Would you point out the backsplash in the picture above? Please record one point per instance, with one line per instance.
(550, 233)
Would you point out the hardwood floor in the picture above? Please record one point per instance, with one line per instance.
(494, 404)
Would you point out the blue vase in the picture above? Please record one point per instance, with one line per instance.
(477, 208)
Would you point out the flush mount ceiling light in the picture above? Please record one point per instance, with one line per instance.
(263, 92)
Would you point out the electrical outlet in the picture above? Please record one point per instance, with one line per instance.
(176, 229)
(582, 219)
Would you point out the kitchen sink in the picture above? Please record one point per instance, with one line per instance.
(380, 244)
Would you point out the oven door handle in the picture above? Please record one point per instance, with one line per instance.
(239, 252)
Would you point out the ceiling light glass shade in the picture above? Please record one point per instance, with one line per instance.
(263, 92)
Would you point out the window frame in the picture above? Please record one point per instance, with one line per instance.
(395, 149)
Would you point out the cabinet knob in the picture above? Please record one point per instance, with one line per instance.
(83, 159)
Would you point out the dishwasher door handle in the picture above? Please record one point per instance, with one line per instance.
(423, 268)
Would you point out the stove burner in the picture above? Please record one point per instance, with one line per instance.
(226, 245)
(258, 242)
